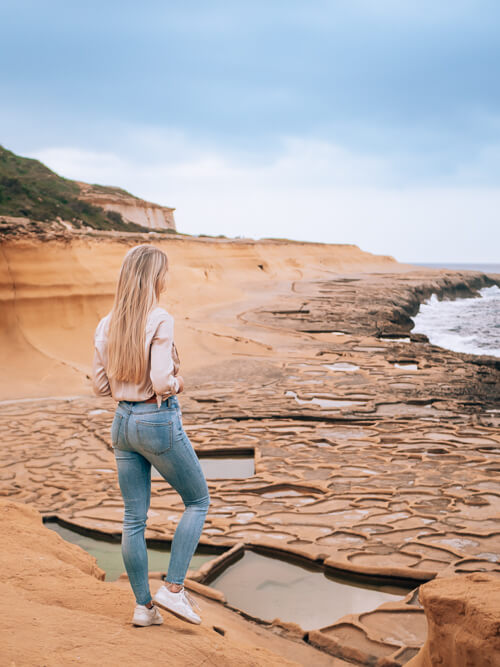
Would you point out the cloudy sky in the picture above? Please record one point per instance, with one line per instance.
(374, 122)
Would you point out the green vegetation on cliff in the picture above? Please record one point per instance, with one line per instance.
(29, 189)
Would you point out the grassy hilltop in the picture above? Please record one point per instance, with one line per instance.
(29, 189)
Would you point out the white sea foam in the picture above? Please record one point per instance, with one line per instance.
(469, 325)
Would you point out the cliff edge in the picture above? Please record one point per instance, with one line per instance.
(30, 192)
(132, 209)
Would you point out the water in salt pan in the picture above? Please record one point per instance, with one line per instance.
(324, 402)
(109, 557)
(270, 588)
(342, 366)
(403, 339)
(222, 467)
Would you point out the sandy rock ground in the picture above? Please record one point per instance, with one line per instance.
(57, 611)
(375, 452)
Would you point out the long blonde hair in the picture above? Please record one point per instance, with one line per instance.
(141, 277)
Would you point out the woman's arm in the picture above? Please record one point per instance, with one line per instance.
(164, 382)
(100, 382)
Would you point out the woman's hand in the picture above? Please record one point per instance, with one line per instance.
(181, 383)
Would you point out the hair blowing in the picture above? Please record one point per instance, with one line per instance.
(138, 290)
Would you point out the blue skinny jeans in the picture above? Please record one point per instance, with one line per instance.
(143, 434)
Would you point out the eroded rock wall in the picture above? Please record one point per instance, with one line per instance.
(53, 293)
(463, 616)
(132, 209)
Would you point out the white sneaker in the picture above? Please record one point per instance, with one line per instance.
(179, 604)
(145, 616)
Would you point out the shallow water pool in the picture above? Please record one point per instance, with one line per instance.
(268, 588)
(222, 467)
(109, 557)
(324, 402)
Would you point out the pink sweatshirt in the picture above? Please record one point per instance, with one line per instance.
(163, 362)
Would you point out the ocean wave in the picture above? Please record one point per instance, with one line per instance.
(470, 325)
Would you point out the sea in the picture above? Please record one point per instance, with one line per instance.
(469, 325)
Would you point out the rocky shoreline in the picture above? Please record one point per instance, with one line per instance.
(373, 455)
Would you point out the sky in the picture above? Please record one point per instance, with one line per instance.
(373, 122)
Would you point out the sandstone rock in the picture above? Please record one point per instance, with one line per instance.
(55, 610)
(132, 209)
(463, 615)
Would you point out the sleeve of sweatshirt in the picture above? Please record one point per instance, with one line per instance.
(162, 364)
(100, 382)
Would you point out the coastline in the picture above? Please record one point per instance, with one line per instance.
(376, 454)
(465, 325)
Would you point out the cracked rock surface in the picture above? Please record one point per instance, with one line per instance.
(375, 451)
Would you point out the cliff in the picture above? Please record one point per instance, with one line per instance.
(53, 293)
(34, 199)
(132, 209)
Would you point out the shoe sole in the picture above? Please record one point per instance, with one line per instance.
(183, 618)
(144, 625)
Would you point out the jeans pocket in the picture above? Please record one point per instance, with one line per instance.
(155, 435)
(115, 428)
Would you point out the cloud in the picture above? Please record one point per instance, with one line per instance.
(310, 190)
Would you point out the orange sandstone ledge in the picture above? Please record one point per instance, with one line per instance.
(57, 610)
(463, 615)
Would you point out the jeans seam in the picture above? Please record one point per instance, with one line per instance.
(189, 446)
(119, 428)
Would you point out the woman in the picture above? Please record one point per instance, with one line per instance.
(136, 362)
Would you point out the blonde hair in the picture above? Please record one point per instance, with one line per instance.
(141, 278)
